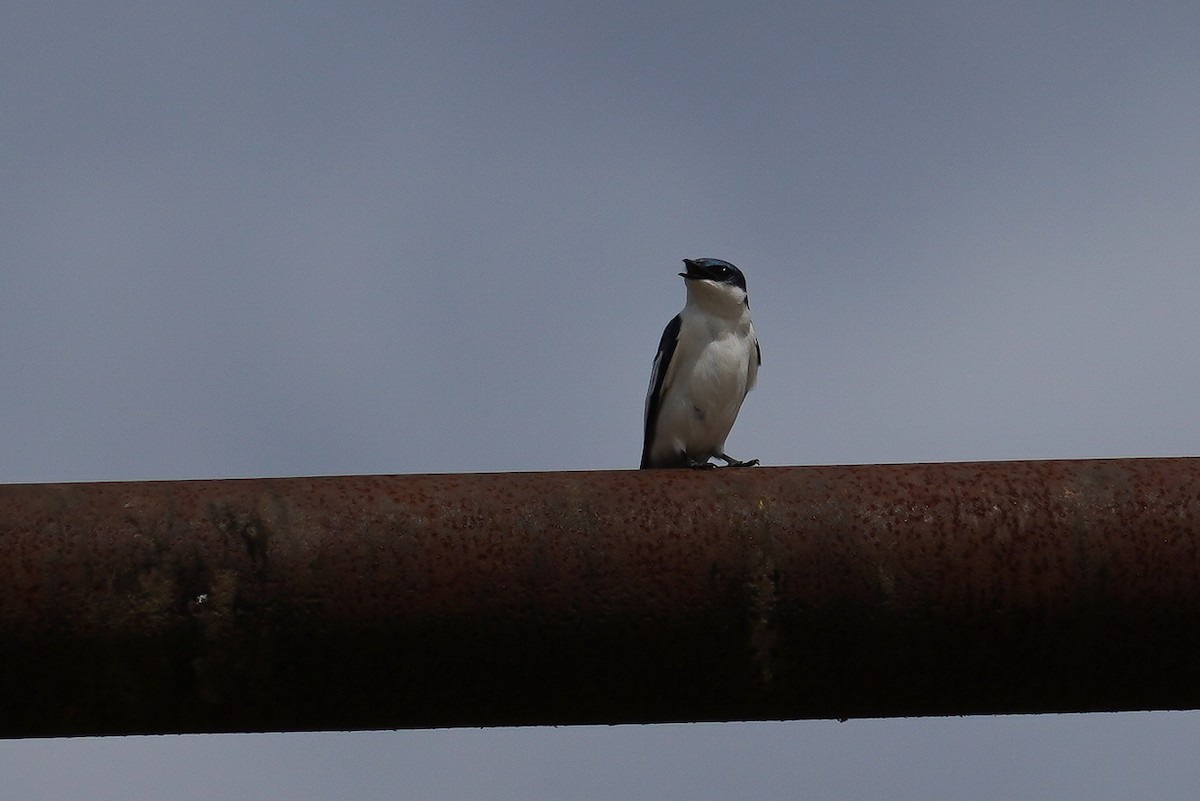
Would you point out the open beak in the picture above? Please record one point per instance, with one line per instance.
(695, 271)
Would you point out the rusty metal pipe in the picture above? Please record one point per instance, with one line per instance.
(605, 597)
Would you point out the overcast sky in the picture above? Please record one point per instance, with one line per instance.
(322, 238)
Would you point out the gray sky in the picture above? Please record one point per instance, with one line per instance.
(306, 239)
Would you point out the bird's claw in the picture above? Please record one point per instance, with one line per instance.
(731, 462)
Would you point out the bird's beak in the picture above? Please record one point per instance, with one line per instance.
(695, 271)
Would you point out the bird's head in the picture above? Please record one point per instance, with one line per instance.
(715, 281)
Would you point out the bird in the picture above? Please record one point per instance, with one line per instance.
(707, 361)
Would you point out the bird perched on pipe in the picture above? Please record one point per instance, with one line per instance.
(707, 361)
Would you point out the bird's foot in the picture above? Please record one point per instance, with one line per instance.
(705, 465)
(731, 462)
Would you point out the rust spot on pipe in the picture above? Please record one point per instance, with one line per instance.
(607, 597)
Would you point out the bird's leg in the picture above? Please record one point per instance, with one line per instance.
(731, 462)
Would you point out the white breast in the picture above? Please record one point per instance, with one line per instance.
(714, 366)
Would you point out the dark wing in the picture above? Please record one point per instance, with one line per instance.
(752, 366)
(662, 361)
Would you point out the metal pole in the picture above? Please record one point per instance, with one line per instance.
(604, 597)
